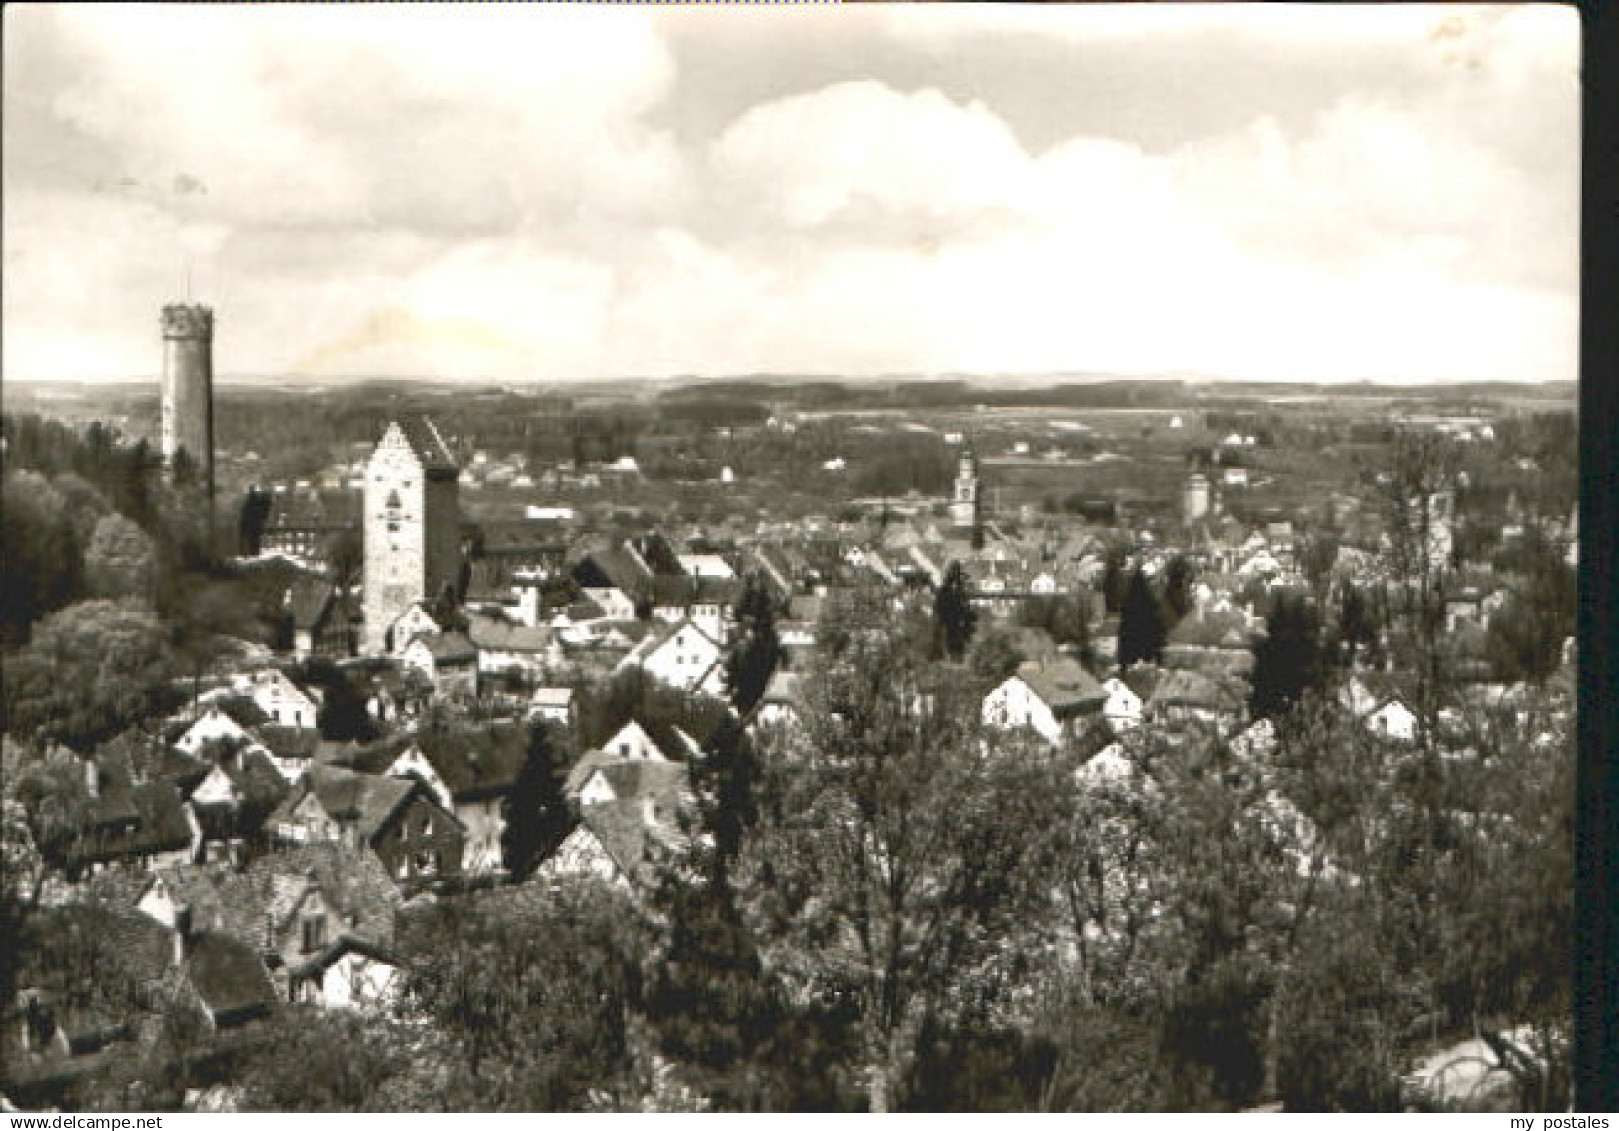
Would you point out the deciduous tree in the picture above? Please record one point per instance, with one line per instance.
(535, 994)
(899, 862)
(91, 670)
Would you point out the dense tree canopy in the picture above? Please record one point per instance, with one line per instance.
(534, 993)
(900, 852)
(90, 670)
(42, 554)
(119, 560)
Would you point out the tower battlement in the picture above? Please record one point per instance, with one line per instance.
(181, 321)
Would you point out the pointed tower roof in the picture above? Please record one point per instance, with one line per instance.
(425, 440)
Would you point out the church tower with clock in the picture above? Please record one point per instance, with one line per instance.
(964, 503)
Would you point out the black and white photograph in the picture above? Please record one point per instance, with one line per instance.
(790, 557)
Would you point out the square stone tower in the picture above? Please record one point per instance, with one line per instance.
(412, 526)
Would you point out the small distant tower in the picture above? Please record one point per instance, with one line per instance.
(1195, 498)
(412, 526)
(1439, 528)
(188, 389)
(964, 505)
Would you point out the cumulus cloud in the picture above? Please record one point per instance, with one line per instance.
(543, 193)
(861, 147)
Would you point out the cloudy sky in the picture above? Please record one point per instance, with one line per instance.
(538, 194)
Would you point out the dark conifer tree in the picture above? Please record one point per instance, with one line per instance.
(250, 523)
(953, 615)
(755, 647)
(1142, 631)
(537, 812)
(1115, 582)
(708, 998)
(1178, 578)
(343, 717)
(1356, 631)
(724, 780)
(1289, 661)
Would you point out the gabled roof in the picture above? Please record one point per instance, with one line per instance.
(336, 789)
(1110, 764)
(312, 510)
(256, 780)
(494, 634)
(424, 439)
(117, 888)
(218, 899)
(784, 689)
(344, 944)
(1093, 738)
(308, 601)
(774, 570)
(659, 553)
(380, 799)
(475, 762)
(284, 894)
(584, 768)
(584, 609)
(1062, 684)
(635, 779)
(229, 977)
(666, 778)
(684, 591)
(353, 880)
(1141, 679)
(140, 946)
(489, 581)
(620, 827)
(661, 635)
(614, 567)
(288, 742)
(1183, 688)
(805, 607)
(152, 820)
(449, 647)
(369, 800)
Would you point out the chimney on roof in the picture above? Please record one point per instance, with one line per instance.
(92, 778)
